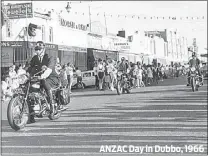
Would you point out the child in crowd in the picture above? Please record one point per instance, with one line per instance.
(139, 75)
(79, 77)
(133, 73)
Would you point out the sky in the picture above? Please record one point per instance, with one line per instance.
(189, 28)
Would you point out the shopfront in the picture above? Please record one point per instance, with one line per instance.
(95, 54)
(74, 55)
(20, 52)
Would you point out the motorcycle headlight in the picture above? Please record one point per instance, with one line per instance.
(119, 73)
(193, 69)
(36, 85)
(22, 79)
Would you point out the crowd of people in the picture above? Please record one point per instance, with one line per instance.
(10, 79)
(105, 72)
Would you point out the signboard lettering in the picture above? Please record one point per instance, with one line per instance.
(72, 25)
(15, 11)
(11, 44)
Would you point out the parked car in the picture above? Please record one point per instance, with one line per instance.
(88, 79)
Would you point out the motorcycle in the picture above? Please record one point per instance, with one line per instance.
(30, 99)
(194, 79)
(123, 83)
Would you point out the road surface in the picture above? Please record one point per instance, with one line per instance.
(167, 114)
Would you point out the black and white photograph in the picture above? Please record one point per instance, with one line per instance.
(103, 78)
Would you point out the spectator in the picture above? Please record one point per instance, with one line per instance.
(149, 75)
(139, 76)
(6, 88)
(69, 73)
(12, 72)
(95, 69)
(162, 72)
(110, 71)
(101, 75)
(134, 74)
(63, 75)
(79, 77)
(13, 77)
(21, 70)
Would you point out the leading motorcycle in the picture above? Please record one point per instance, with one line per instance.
(123, 83)
(194, 79)
(30, 99)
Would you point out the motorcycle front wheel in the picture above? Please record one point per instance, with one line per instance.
(193, 84)
(55, 115)
(119, 88)
(17, 115)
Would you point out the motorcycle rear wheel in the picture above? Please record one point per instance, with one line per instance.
(13, 109)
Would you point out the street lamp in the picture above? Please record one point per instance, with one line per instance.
(68, 7)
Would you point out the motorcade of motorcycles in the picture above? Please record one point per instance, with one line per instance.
(194, 79)
(123, 83)
(30, 99)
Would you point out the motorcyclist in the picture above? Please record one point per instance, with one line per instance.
(50, 75)
(194, 62)
(123, 66)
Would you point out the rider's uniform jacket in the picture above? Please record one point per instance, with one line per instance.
(36, 64)
(122, 67)
(194, 62)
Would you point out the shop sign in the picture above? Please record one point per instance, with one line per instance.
(15, 11)
(51, 46)
(72, 25)
(12, 43)
(122, 46)
(72, 49)
(47, 45)
(98, 51)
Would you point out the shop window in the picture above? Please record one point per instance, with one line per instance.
(50, 34)
(20, 54)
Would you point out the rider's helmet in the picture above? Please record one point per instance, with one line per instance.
(193, 54)
(40, 45)
(123, 59)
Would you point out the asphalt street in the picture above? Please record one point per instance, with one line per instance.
(166, 114)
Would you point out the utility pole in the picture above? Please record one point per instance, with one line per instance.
(90, 19)
(106, 30)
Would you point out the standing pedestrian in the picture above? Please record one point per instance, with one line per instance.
(101, 75)
(69, 73)
(79, 78)
(149, 75)
(95, 69)
(139, 77)
(110, 71)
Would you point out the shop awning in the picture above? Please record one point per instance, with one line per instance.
(204, 55)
